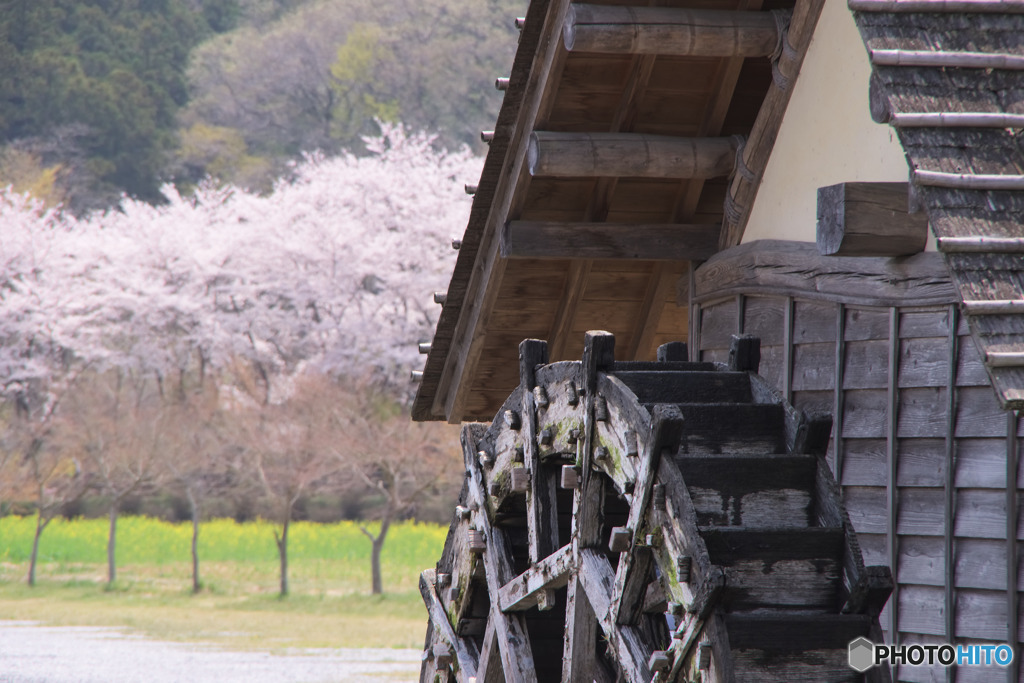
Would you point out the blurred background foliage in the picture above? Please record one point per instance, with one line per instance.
(104, 98)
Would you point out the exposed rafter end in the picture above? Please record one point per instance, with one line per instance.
(1004, 359)
(996, 307)
(549, 240)
(969, 181)
(981, 245)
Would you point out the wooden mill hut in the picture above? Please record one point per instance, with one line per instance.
(834, 190)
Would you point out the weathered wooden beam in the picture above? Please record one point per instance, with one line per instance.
(579, 660)
(669, 31)
(941, 59)
(438, 617)
(955, 120)
(598, 578)
(997, 307)
(633, 569)
(552, 572)
(969, 181)
(868, 219)
(513, 639)
(634, 155)
(653, 242)
(541, 505)
(489, 668)
(977, 244)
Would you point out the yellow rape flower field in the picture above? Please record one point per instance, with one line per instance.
(329, 606)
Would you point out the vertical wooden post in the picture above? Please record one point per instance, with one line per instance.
(949, 490)
(787, 351)
(892, 490)
(741, 305)
(541, 505)
(693, 317)
(1012, 597)
(839, 399)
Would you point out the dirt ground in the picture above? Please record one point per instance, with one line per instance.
(30, 653)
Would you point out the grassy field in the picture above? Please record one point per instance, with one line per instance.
(329, 605)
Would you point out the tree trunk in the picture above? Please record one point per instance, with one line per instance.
(194, 508)
(40, 527)
(282, 551)
(376, 546)
(111, 543)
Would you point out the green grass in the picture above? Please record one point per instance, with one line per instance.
(329, 571)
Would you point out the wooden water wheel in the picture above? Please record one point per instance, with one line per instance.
(648, 521)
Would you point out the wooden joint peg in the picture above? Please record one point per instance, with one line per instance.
(453, 594)
(620, 540)
(570, 477)
(462, 512)
(631, 444)
(494, 489)
(443, 579)
(520, 480)
(512, 420)
(572, 394)
(601, 454)
(442, 656)
(658, 497)
(659, 661)
(546, 436)
(540, 396)
(744, 353)
(476, 541)
(546, 600)
(485, 458)
(704, 656)
(683, 566)
(601, 409)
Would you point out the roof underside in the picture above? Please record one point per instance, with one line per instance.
(493, 302)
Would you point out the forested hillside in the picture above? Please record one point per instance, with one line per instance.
(104, 97)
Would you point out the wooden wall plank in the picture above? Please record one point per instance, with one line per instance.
(866, 507)
(814, 366)
(917, 610)
(924, 362)
(864, 462)
(922, 413)
(979, 563)
(866, 364)
(873, 548)
(981, 614)
(922, 462)
(763, 317)
(970, 368)
(980, 463)
(979, 414)
(980, 513)
(772, 364)
(931, 321)
(922, 673)
(922, 560)
(919, 512)
(814, 322)
(864, 414)
(813, 401)
(866, 323)
(718, 324)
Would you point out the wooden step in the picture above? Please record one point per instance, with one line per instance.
(687, 387)
(797, 648)
(789, 569)
(736, 428)
(752, 491)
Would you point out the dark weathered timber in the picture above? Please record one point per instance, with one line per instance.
(731, 427)
(657, 366)
(870, 593)
(542, 510)
(868, 219)
(673, 352)
(686, 387)
(728, 546)
(744, 353)
(660, 242)
(777, 268)
(797, 632)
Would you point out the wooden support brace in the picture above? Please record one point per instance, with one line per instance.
(524, 591)
(439, 619)
(634, 155)
(649, 242)
(536, 482)
(868, 219)
(669, 31)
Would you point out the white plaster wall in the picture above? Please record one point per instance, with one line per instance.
(827, 135)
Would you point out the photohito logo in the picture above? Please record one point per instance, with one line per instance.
(865, 654)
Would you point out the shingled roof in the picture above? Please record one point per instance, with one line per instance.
(948, 75)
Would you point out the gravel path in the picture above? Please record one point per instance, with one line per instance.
(43, 654)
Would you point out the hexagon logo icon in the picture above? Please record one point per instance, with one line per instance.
(862, 654)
